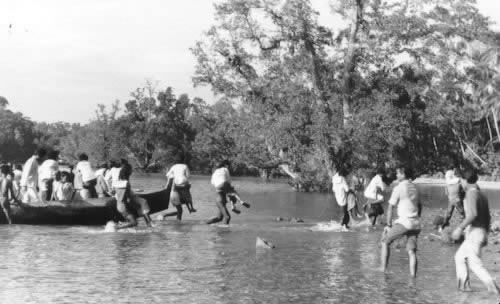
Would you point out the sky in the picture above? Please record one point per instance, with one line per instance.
(60, 58)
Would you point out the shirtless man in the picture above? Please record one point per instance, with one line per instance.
(476, 226)
(6, 192)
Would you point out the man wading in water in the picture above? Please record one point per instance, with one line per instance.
(406, 198)
(476, 225)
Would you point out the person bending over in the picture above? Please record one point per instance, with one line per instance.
(127, 203)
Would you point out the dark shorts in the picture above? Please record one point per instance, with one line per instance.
(181, 195)
(399, 231)
(374, 209)
(226, 188)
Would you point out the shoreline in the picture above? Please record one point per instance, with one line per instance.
(441, 182)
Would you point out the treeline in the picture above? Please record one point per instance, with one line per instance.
(413, 82)
(151, 130)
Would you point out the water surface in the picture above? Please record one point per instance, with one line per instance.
(191, 262)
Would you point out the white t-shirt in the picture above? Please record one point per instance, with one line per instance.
(86, 170)
(112, 176)
(100, 172)
(371, 189)
(340, 189)
(180, 174)
(48, 169)
(29, 177)
(450, 178)
(220, 176)
(405, 196)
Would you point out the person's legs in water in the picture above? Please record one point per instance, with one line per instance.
(468, 257)
(345, 218)
(394, 233)
(223, 214)
(186, 198)
(121, 207)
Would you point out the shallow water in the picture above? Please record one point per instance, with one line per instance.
(190, 262)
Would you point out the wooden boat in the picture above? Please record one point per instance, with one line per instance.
(80, 212)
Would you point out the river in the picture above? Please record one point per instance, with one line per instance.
(190, 262)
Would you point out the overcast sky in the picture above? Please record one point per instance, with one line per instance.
(60, 58)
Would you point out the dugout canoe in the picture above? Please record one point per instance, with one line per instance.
(80, 212)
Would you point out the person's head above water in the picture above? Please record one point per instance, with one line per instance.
(83, 157)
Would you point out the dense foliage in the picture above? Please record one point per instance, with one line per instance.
(413, 82)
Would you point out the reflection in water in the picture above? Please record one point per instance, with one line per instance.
(190, 262)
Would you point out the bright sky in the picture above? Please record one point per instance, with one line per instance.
(60, 58)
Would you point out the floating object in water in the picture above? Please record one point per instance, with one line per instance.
(110, 227)
(138, 190)
(262, 243)
(297, 220)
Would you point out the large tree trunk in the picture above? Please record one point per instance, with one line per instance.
(350, 64)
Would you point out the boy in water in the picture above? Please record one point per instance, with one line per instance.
(221, 180)
(6, 192)
(341, 189)
(127, 202)
(406, 198)
(476, 225)
(181, 187)
(455, 193)
(375, 197)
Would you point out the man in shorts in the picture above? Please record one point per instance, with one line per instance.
(476, 225)
(406, 198)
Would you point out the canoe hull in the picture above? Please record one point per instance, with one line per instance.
(81, 212)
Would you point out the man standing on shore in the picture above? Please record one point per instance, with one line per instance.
(405, 196)
(476, 226)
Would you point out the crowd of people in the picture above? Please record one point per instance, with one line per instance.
(464, 196)
(41, 179)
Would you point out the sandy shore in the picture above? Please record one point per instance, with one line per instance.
(437, 181)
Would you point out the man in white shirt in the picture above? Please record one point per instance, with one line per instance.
(181, 188)
(340, 189)
(84, 168)
(375, 197)
(406, 198)
(47, 173)
(29, 177)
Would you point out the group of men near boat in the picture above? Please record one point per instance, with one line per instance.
(464, 195)
(41, 180)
